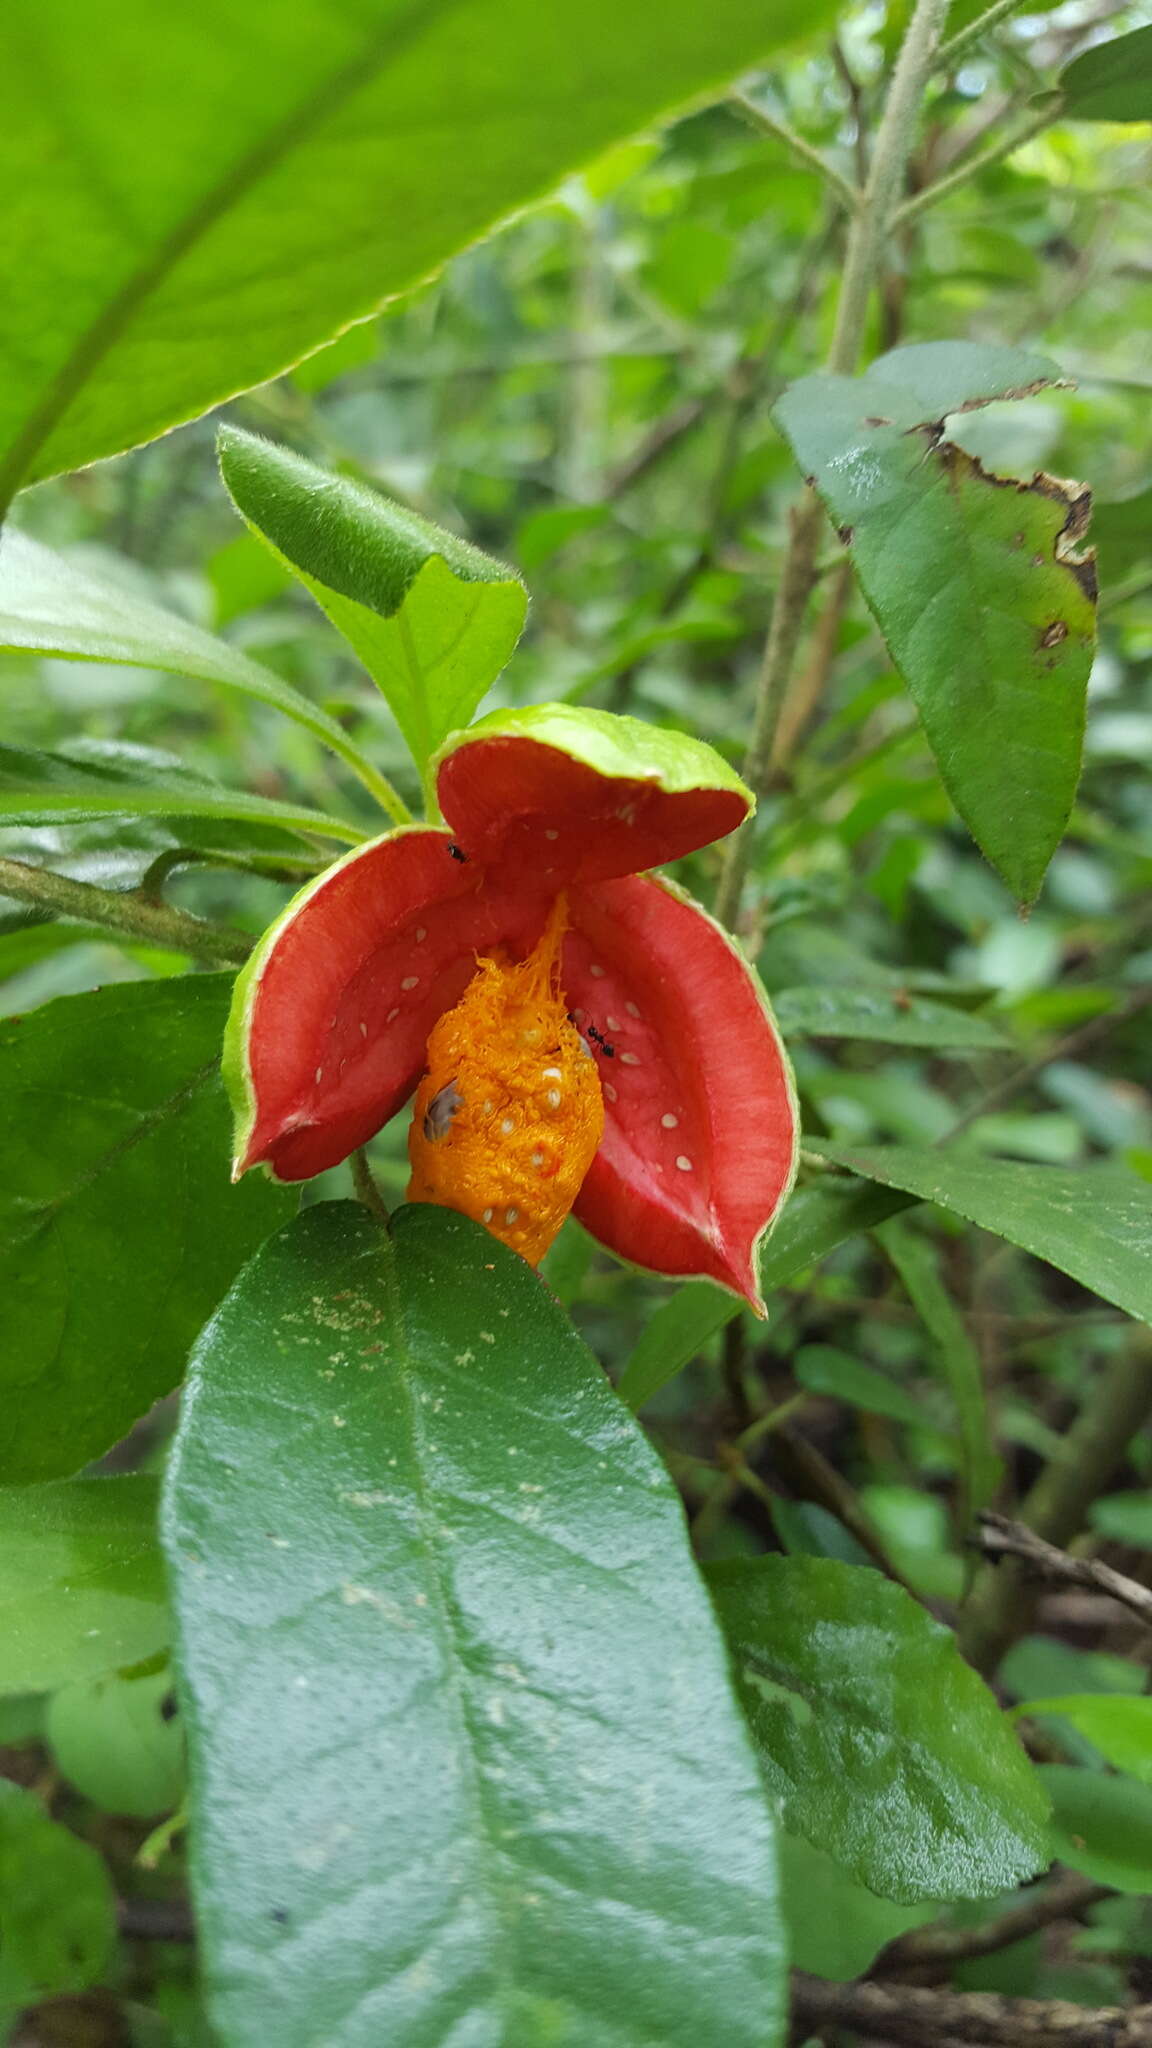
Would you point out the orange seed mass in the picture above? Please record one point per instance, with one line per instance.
(509, 1114)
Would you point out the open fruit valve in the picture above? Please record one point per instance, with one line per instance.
(509, 1114)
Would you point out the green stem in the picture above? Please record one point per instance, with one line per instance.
(377, 785)
(867, 240)
(367, 1191)
(971, 167)
(154, 924)
(1057, 1505)
(767, 124)
(950, 52)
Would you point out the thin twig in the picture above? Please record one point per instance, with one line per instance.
(1066, 1897)
(949, 53)
(970, 167)
(908, 2013)
(1068, 1047)
(765, 123)
(124, 910)
(1000, 1537)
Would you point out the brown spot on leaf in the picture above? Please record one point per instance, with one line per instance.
(844, 534)
(875, 420)
(1054, 634)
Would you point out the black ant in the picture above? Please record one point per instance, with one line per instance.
(457, 852)
(597, 1037)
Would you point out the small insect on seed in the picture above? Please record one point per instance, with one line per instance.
(440, 1112)
(598, 1038)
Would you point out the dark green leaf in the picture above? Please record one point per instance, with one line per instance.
(890, 1018)
(1112, 82)
(121, 1231)
(46, 789)
(432, 619)
(975, 581)
(119, 1742)
(1119, 1726)
(815, 1220)
(465, 1761)
(225, 191)
(1095, 1224)
(1101, 1825)
(81, 1580)
(824, 1370)
(836, 1927)
(885, 1748)
(917, 1261)
(57, 1912)
(50, 604)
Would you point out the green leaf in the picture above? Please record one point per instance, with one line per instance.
(464, 1757)
(1095, 1223)
(81, 1580)
(889, 1017)
(47, 789)
(120, 1229)
(822, 1369)
(1126, 1516)
(836, 1927)
(975, 581)
(51, 604)
(57, 1912)
(119, 1742)
(815, 1220)
(1120, 1727)
(885, 1748)
(1112, 82)
(1121, 529)
(223, 193)
(432, 619)
(1101, 1825)
(917, 1261)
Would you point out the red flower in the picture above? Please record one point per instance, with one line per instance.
(524, 926)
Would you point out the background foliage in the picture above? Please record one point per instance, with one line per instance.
(958, 1293)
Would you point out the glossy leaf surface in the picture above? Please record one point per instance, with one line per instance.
(976, 582)
(885, 1748)
(888, 1018)
(228, 190)
(115, 1175)
(54, 604)
(1095, 1224)
(465, 1762)
(48, 789)
(81, 1580)
(432, 619)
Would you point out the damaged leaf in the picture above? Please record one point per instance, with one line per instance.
(978, 582)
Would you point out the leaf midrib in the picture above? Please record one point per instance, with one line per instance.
(380, 51)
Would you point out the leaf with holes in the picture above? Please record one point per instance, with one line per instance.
(197, 198)
(121, 1231)
(432, 619)
(978, 582)
(885, 1748)
(465, 1761)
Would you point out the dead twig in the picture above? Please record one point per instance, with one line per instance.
(999, 1537)
(914, 2015)
(1066, 1897)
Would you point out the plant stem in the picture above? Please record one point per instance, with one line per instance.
(1057, 1505)
(863, 261)
(971, 167)
(912, 2014)
(367, 1191)
(1065, 1897)
(155, 924)
(767, 124)
(949, 53)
